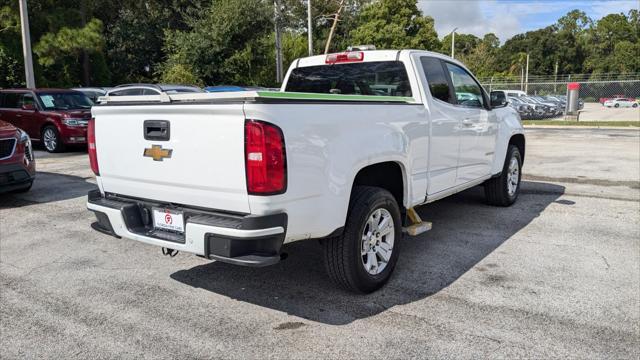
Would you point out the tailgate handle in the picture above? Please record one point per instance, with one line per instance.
(157, 130)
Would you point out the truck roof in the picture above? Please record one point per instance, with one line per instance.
(369, 55)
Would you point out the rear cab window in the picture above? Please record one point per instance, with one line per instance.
(375, 78)
(437, 79)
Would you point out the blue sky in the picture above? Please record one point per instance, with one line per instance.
(506, 18)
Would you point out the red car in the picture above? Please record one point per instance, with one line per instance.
(17, 165)
(54, 117)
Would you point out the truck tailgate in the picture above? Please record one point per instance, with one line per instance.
(205, 166)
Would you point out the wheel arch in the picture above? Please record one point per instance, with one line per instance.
(49, 122)
(519, 141)
(388, 175)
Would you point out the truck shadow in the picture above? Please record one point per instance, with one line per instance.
(48, 187)
(465, 231)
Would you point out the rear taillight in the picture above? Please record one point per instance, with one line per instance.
(91, 140)
(265, 158)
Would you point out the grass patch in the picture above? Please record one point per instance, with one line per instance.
(582, 123)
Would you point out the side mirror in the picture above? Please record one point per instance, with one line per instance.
(28, 107)
(498, 99)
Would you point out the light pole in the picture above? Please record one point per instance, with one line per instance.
(309, 28)
(526, 79)
(276, 16)
(26, 45)
(453, 42)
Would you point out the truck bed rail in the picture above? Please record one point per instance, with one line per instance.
(244, 96)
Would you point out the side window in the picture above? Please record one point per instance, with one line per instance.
(468, 92)
(437, 79)
(11, 100)
(27, 99)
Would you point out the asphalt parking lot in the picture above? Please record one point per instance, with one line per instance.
(598, 112)
(556, 275)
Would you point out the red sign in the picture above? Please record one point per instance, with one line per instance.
(573, 86)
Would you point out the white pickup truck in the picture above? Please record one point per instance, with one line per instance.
(343, 153)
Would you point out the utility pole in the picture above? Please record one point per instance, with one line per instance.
(26, 45)
(526, 79)
(333, 27)
(555, 78)
(276, 16)
(453, 42)
(309, 28)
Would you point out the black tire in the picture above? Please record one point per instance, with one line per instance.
(59, 146)
(635, 105)
(342, 254)
(496, 190)
(616, 105)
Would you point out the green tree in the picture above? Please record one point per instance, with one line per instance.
(11, 64)
(395, 24)
(609, 32)
(482, 59)
(464, 43)
(226, 43)
(64, 48)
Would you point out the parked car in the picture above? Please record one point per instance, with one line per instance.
(512, 93)
(279, 167)
(540, 110)
(617, 96)
(621, 102)
(151, 89)
(93, 93)
(563, 98)
(17, 164)
(555, 106)
(54, 117)
(226, 88)
(525, 110)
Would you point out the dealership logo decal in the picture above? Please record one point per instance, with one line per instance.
(157, 153)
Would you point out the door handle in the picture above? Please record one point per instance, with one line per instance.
(467, 122)
(18, 115)
(158, 130)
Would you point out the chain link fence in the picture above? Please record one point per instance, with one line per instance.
(593, 87)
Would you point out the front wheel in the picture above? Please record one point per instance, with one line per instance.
(364, 256)
(504, 189)
(635, 105)
(51, 139)
(617, 105)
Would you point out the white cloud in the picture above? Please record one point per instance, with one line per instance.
(471, 17)
(506, 19)
(600, 9)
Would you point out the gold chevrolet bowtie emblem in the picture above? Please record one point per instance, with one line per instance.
(157, 152)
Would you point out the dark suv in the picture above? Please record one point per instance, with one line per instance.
(54, 117)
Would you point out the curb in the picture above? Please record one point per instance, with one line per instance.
(569, 127)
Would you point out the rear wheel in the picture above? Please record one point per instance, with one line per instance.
(635, 105)
(364, 256)
(503, 190)
(51, 139)
(616, 105)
